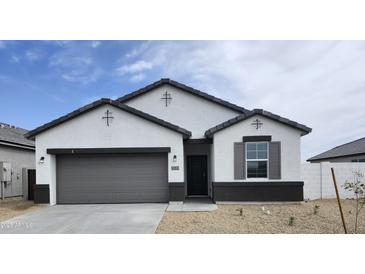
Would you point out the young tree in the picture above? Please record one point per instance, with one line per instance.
(357, 187)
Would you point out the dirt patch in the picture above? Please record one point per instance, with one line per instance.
(276, 218)
(12, 207)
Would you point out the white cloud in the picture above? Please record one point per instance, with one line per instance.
(138, 77)
(83, 77)
(75, 63)
(318, 83)
(33, 55)
(59, 43)
(135, 70)
(66, 60)
(134, 52)
(136, 67)
(95, 44)
(15, 58)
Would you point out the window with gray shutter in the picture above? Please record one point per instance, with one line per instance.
(254, 162)
(274, 160)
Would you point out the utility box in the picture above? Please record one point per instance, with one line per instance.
(5, 172)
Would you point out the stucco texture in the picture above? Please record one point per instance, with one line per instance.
(89, 130)
(185, 110)
(19, 158)
(224, 141)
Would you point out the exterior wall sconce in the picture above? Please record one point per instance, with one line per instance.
(41, 160)
(174, 159)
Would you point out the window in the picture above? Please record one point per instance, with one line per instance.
(257, 159)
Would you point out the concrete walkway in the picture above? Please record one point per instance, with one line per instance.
(192, 205)
(88, 219)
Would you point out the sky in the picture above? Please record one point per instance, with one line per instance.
(317, 83)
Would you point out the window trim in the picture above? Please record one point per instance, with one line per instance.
(256, 160)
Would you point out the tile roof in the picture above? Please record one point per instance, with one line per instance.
(245, 113)
(352, 148)
(210, 132)
(14, 136)
(183, 87)
(31, 134)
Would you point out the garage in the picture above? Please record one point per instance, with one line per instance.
(112, 178)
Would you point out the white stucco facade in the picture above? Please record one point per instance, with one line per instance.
(89, 130)
(185, 110)
(223, 148)
(188, 112)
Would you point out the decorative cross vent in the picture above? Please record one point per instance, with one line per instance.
(167, 97)
(108, 116)
(257, 123)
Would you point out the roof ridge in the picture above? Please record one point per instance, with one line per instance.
(6, 125)
(336, 149)
(184, 87)
(262, 112)
(100, 102)
(14, 135)
(348, 143)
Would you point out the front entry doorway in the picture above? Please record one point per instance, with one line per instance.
(197, 175)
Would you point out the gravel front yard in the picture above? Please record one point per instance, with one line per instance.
(12, 207)
(227, 219)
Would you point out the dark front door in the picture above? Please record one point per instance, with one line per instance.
(197, 175)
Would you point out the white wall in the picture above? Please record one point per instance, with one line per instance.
(318, 183)
(224, 153)
(185, 110)
(89, 130)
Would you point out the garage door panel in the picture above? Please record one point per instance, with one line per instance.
(118, 178)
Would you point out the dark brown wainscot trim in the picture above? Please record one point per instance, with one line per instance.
(177, 192)
(258, 191)
(199, 141)
(108, 150)
(258, 138)
(41, 194)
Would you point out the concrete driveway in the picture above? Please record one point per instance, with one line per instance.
(101, 218)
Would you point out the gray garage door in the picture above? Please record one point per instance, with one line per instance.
(112, 178)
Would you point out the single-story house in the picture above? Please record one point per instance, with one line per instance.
(166, 142)
(350, 152)
(19, 152)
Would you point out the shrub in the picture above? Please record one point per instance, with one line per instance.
(291, 221)
(357, 187)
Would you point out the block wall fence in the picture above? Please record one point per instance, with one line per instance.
(318, 183)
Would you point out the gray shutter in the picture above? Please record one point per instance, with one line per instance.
(239, 161)
(274, 160)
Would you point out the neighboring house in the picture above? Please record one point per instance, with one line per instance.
(20, 153)
(166, 142)
(350, 152)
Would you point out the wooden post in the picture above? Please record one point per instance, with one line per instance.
(338, 200)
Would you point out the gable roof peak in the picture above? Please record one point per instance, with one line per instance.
(31, 134)
(185, 88)
(305, 130)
